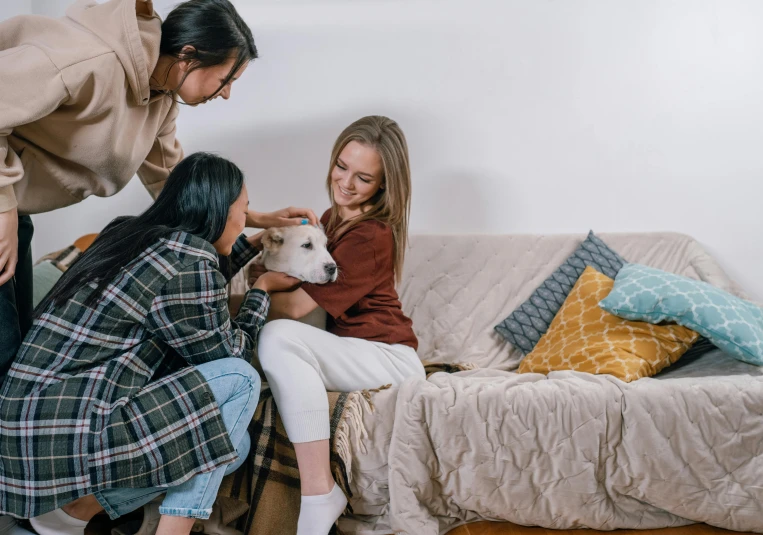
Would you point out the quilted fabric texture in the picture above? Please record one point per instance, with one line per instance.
(456, 288)
(585, 338)
(643, 293)
(525, 326)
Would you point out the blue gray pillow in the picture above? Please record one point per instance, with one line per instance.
(525, 326)
(642, 293)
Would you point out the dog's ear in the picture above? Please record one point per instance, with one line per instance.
(272, 239)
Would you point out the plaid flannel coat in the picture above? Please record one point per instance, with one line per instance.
(107, 395)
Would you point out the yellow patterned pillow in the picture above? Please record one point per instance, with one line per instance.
(585, 338)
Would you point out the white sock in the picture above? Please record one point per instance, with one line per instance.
(57, 522)
(318, 513)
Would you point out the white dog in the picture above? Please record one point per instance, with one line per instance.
(298, 251)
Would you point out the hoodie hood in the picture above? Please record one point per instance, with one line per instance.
(134, 38)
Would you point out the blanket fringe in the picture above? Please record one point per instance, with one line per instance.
(352, 424)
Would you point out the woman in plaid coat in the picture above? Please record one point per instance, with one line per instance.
(133, 380)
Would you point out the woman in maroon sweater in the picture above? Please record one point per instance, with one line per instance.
(369, 342)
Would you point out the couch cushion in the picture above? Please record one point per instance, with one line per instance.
(456, 288)
(642, 293)
(525, 326)
(585, 338)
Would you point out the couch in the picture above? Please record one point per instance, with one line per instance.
(567, 450)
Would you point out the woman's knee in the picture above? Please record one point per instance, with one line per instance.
(239, 376)
(274, 342)
(248, 376)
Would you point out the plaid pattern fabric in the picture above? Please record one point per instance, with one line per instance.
(107, 395)
(267, 486)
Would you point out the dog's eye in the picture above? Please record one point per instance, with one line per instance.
(307, 245)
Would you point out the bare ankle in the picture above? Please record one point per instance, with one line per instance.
(84, 508)
(174, 525)
(314, 468)
(317, 487)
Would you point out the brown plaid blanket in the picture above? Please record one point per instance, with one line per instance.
(263, 496)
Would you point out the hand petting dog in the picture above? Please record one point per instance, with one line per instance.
(285, 217)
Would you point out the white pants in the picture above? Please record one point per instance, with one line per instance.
(301, 363)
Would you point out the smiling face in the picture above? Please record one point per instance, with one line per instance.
(356, 178)
(203, 84)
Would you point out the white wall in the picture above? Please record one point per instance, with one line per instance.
(522, 116)
(10, 9)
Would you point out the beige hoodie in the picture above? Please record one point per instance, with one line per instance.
(77, 117)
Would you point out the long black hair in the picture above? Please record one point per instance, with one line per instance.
(216, 32)
(195, 199)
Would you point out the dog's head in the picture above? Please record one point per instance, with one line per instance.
(298, 251)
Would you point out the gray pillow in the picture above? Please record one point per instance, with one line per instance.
(525, 326)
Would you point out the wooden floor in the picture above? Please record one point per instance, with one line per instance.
(496, 528)
(101, 526)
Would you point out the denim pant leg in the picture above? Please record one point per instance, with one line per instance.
(24, 274)
(236, 387)
(118, 502)
(16, 315)
(16, 299)
(10, 334)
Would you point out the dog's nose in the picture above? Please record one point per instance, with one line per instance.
(330, 268)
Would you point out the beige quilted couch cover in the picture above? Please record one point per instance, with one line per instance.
(565, 451)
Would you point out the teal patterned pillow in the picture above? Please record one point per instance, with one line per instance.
(646, 294)
(525, 326)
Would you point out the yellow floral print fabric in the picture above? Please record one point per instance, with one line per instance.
(585, 338)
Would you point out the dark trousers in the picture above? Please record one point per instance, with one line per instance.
(16, 299)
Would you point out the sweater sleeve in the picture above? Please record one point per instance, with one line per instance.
(31, 87)
(242, 253)
(356, 256)
(164, 155)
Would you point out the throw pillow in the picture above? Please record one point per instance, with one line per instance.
(647, 294)
(585, 338)
(48, 269)
(524, 327)
(45, 275)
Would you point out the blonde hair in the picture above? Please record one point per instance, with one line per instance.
(392, 203)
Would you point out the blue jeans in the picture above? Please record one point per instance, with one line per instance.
(16, 299)
(236, 387)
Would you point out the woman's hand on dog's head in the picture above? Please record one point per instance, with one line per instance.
(285, 217)
(275, 281)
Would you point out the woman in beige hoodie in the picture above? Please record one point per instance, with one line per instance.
(89, 100)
